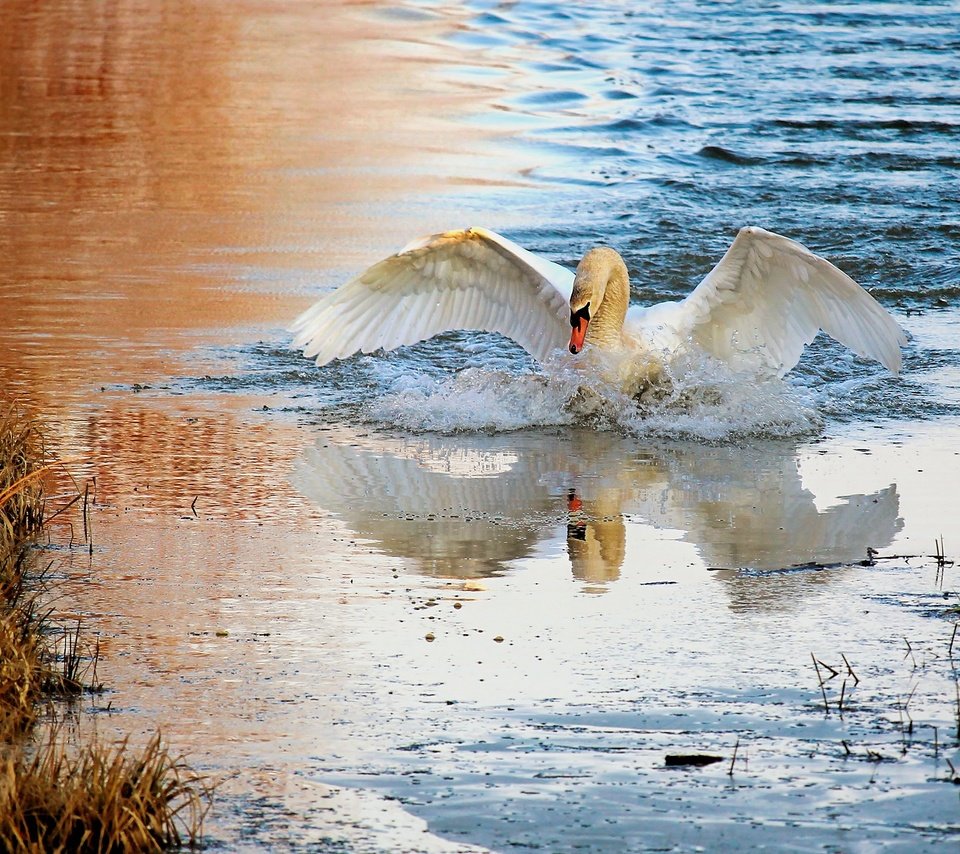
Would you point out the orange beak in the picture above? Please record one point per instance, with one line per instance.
(577, 335)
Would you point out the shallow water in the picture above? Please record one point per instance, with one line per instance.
(279, 552)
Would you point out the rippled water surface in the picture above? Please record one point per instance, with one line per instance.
(419, 601)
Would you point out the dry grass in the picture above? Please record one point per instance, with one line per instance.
(20, 673)
(22, 465)
(98, 799)
(21, 515)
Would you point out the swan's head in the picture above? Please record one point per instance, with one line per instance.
(594, 272)
(579, 320)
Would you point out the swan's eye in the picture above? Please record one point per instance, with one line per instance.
(577, 316)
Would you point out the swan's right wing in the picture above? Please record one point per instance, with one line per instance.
(468, 279)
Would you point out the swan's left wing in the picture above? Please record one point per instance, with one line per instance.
(468, 279)
(769, 296)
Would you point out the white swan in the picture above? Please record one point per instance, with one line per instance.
(765, 300)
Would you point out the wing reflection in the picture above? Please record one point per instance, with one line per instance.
(747, 507)
(455, 508)
(467, 506)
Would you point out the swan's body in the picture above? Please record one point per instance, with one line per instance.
(765, 300)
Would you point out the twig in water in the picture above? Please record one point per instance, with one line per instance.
(846, 747)
(952, 638)
(843, 691)
(833, 672)
(941, 561)
(65, 507)
(826, 706)
(956, 685)
(734, 757)
(910, 653)
(856, 681)
(94, 682)
(905, 710)
(86, 494)
(193, 507)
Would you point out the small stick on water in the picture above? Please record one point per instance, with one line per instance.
(65, 507)
(193, 507)
(86, 494)
(826, 706)
(734, 757)
(905, 710)
(847, 748)
(952, 638)
(833, 672)
(910, 653)
(856, 681)
(956, 685)
(843, 691)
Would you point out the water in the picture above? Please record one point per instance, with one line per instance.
(301, 575)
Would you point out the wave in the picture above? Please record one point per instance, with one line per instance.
(726, 155)
(903, 126)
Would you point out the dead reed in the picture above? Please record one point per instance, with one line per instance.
(22, 466)
(52, 798)
(101, 800)
(20, 669)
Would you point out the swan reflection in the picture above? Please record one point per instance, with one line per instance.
(468, 506)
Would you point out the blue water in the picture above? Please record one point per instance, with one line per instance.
(661, 129)
(837, 125)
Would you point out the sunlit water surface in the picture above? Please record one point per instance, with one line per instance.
(426, 590)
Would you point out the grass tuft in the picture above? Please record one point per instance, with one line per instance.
(102, 800)
(22, 465)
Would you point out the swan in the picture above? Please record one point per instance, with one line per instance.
(764, 301)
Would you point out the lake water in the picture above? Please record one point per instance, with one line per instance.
(409, 601)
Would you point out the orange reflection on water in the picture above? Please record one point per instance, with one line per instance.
(147, 458)
(164, 170)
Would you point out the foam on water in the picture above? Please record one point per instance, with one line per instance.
(704, 400)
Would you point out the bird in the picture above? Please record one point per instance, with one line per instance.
(755, 311)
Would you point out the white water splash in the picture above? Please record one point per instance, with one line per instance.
(704, 400)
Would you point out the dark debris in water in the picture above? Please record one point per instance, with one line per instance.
(688, 760)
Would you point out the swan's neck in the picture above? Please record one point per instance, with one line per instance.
(603, 282)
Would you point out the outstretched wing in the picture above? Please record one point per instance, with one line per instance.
(468, 279)
(769, 296)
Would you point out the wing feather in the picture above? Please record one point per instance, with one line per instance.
(769, 296)
(469, 279)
